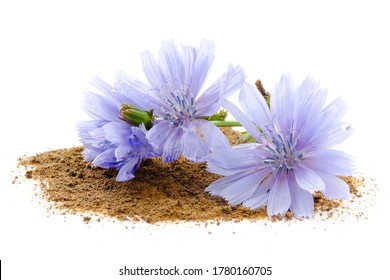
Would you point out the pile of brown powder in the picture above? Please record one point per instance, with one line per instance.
(159, 192)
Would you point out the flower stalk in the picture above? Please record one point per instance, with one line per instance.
(226, 123)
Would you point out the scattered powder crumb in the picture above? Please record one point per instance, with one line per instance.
(159, 192)
(29, 174)
(15, 179)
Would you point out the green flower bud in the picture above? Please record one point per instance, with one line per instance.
(135, 116)
(246, 137)
(219, 116)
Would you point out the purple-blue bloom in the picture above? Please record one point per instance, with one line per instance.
(110, 142)
(291, 157)
(174, 93)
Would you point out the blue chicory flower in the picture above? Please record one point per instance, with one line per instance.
(174, 94)
(109, 141)
(291, 157)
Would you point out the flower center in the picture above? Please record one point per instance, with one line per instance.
(282, 148)
(179, 105)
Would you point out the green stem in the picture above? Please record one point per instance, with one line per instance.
(226, 123)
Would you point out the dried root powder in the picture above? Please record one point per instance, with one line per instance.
(159, 192)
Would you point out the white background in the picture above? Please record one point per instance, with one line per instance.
(49, 51)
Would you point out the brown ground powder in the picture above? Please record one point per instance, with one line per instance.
(159, 192)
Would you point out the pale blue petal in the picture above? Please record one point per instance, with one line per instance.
(123, 150)
(233, 160)
(194, 148)
(333, 136)
(172, 147)
(326, 129)
(208, 106)
(102, 85)
(302, 202)
(171, 63)
(212, 134)
(126, 172)
(98, 135)
(217, 187)
(141, 145)
(334, 187)
(308, 180)
(90, 155)
(242, 189)
(137, 92)
(281, 101)
(260, 197)
(204, 57)
(235, 78)
(254, 105)
(85, 127)
(96, 141)
(308, 100)
(338, 135)
(209, 102)
(218, 164)
(152, 70)
(285, 85)
(158, 134)
(135, 144)
(111, 93)
(331, 161)
(106, 159)
(279, 199)
(214, 167)
(99, 107)
(188, 56)
(117, 132)
(243, 119)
